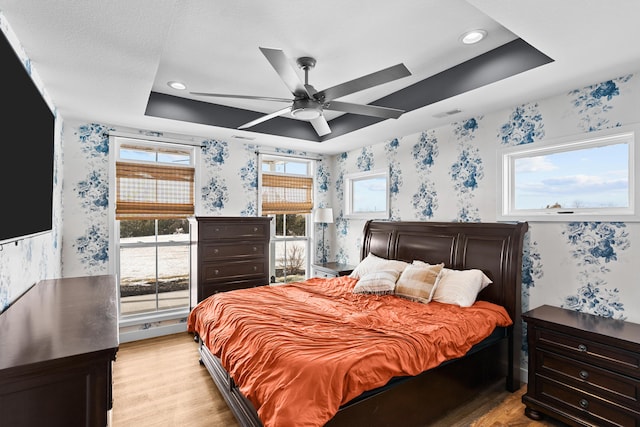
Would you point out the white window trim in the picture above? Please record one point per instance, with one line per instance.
(348, 196)
(506, 210)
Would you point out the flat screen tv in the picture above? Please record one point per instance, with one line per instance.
(27, 127)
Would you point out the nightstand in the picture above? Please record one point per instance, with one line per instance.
(332, 269)
(583, 369)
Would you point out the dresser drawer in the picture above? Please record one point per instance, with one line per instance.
(588, 351)
(585, 406)
(235, 231)
(217, 271)
(216, 251)
(589, 378)
(208, 289)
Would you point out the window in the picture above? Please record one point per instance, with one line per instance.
(367, 195)
(286, 194)
(573, 179)
(154, 197)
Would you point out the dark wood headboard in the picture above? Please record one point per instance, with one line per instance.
(495, 248)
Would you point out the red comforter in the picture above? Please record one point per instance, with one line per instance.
(299, 351)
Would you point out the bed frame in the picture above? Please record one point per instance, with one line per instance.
(495, 248)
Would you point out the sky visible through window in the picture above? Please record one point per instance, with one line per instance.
(595, 177)
(370, 194)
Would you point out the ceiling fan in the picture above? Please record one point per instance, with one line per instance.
(308, 103)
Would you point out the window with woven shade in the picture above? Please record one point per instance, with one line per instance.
(154, 196)
(286, 194)
(154, 190)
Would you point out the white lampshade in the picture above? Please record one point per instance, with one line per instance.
(323, 215)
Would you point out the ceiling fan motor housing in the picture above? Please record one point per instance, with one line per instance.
(306, 109)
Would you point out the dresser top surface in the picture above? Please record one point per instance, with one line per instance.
(614, 328)
(60, 318)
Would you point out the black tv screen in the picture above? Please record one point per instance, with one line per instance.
(26, 152)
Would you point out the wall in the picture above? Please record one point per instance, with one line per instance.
(450, 174)
(28, 261)
(447, 174)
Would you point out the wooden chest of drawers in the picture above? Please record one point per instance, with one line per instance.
(228, 253)
(583, 369)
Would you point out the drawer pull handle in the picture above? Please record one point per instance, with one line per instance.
(584, 375)
(582, 348)
(584, 403)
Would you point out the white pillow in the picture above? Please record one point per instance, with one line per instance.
(373, 263)
(418, 282)
(460, 287)
(378, 282)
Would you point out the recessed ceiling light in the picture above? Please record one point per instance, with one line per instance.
(473, 36)
(177, 85)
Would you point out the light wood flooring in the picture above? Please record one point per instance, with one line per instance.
(159, 382)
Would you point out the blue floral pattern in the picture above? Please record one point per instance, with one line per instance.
(593, 103)
(93, 192)
(214, 152)
(524, 126)
(395, 176)
(595, 245)
(425, 201)
(425, 151)
(215, 194)
(467, 171)
(94, 139)
(93, 247)
(322, 178)
(365, 159)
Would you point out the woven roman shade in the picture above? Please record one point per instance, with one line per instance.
(153, 191)
(286, 194)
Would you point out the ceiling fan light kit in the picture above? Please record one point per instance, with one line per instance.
(308, 103)
(306, 109)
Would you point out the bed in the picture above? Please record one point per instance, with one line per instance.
(407, 381)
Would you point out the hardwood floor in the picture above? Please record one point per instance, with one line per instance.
(159, 382)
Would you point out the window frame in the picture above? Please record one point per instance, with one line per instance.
(127, 320)
(349, 180)
(275, 239)
(506, 210)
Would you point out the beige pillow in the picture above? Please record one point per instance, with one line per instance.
(373, 263)
(377, 282)
(460, 287)
(418, 282)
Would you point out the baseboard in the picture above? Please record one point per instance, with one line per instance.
(153, 332)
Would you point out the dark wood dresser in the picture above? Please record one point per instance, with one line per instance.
(228, 253)
(584, 369)
(57, 345)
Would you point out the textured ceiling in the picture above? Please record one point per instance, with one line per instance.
(109, 61)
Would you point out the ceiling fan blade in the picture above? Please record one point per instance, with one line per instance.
(222, 95)
(365, 82)
(265, 118)
(280, 63)
(320, 125)
(365, 110)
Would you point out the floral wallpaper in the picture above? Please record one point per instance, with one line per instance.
(447, 173)
(26, 262)
(582, 266)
